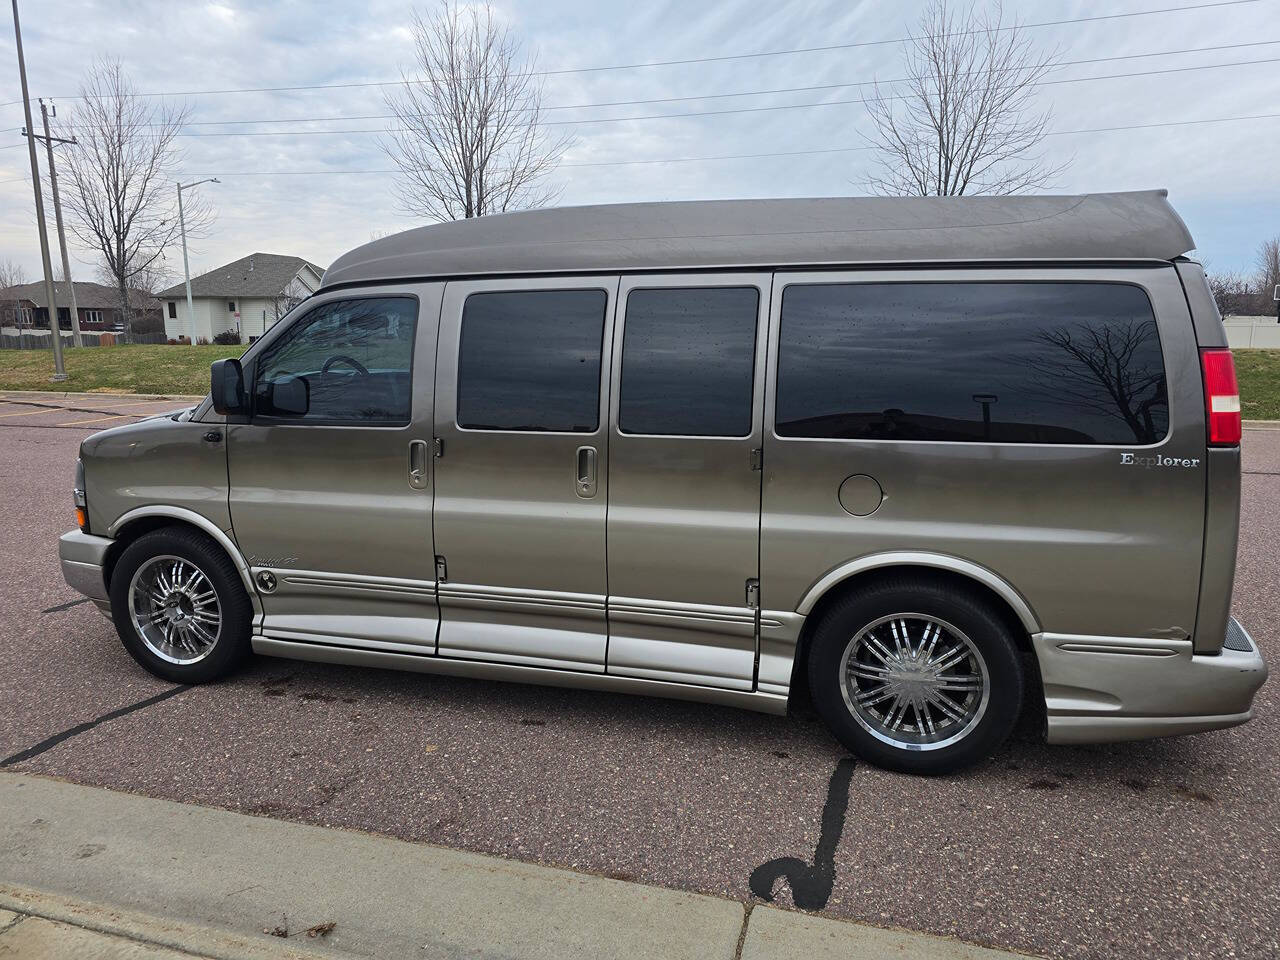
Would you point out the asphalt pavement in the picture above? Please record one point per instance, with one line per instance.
(1161, 848)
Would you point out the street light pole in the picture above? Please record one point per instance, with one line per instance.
(186, 267)
(59, 373)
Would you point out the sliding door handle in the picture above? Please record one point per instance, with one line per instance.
(586, 478)
(418, 464)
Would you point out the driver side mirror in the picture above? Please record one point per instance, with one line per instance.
(226, 387)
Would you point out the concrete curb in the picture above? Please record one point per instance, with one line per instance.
(144, 928)
(208, 881)
(96, 395)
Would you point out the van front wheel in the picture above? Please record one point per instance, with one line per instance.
(916, 676)
(179, 606)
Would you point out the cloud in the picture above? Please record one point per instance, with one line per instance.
(1221, 176)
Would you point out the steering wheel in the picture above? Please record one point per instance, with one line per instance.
(343, 358)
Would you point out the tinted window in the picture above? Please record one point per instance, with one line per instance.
(1005, 362)
(531, 360)
(346, 361)
(688, 357)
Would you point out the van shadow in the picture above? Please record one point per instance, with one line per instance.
(1025, 760)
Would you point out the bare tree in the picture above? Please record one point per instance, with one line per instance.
(153, 278)
(11, 275)
(966, 120)
(120, 171)
(1118, 358)
(1268, 273)
(469, 139)
(1233, 292)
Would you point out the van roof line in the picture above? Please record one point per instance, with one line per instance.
(1139, 225)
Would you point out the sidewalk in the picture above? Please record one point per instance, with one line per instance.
(90, 873)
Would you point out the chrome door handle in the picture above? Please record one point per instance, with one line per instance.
(418, 464)
(586, 480)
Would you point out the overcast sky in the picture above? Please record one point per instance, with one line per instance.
(1224, 178)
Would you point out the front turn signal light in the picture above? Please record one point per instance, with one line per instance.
(77, 491)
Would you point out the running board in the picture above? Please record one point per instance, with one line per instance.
(514, 673)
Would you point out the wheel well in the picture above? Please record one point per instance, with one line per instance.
(134, 529)
(860, 581)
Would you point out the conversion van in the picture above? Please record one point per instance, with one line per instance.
(917, 458)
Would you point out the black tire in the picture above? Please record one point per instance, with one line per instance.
(973, 616)
(231, 643)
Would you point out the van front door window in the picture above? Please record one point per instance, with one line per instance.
(346, 361)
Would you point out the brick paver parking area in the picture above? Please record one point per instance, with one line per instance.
(1164, 848)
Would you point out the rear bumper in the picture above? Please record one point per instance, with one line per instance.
(1101, 689)
(82, 558)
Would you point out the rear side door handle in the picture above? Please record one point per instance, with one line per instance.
(586, 479)
(418, 461)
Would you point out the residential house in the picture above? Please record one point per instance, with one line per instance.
(25, 306)
(248, 295)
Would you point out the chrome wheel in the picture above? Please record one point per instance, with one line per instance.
(175, 609)
(914, 681)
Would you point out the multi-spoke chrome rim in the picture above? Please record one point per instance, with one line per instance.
(175, 609)
(914, 681)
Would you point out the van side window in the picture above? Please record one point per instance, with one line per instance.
(688, 358)
(347, 361)
(1011, 362)
(530, 360)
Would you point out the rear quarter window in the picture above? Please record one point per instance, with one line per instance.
(998, 362)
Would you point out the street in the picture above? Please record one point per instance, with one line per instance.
(1161, 848)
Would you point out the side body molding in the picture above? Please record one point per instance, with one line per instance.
(196, 520)
(968, 568)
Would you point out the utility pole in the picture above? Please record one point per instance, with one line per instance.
(57, 216)
(59, 374)
(186, 267)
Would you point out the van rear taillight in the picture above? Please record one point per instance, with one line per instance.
(1221, 397)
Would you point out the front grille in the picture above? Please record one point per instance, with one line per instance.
(1237, 638)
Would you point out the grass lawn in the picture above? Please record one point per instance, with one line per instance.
(1259, 374)
(135, 368)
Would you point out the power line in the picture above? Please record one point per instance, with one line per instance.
(721, 96)
(693, 60)
(832, 103)
(875, 43)
(1170, 123)
(724, 112)
(734, 156)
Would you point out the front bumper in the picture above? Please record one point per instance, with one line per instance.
(82, 559)
(1102, 689)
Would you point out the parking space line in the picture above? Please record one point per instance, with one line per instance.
(138, 403)
(76, 423)
(29, 413)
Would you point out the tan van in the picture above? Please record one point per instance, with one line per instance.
(915, 457)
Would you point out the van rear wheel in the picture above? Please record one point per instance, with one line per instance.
(179, 606)
(915, 675)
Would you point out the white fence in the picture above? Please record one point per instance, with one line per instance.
(1244, 333)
